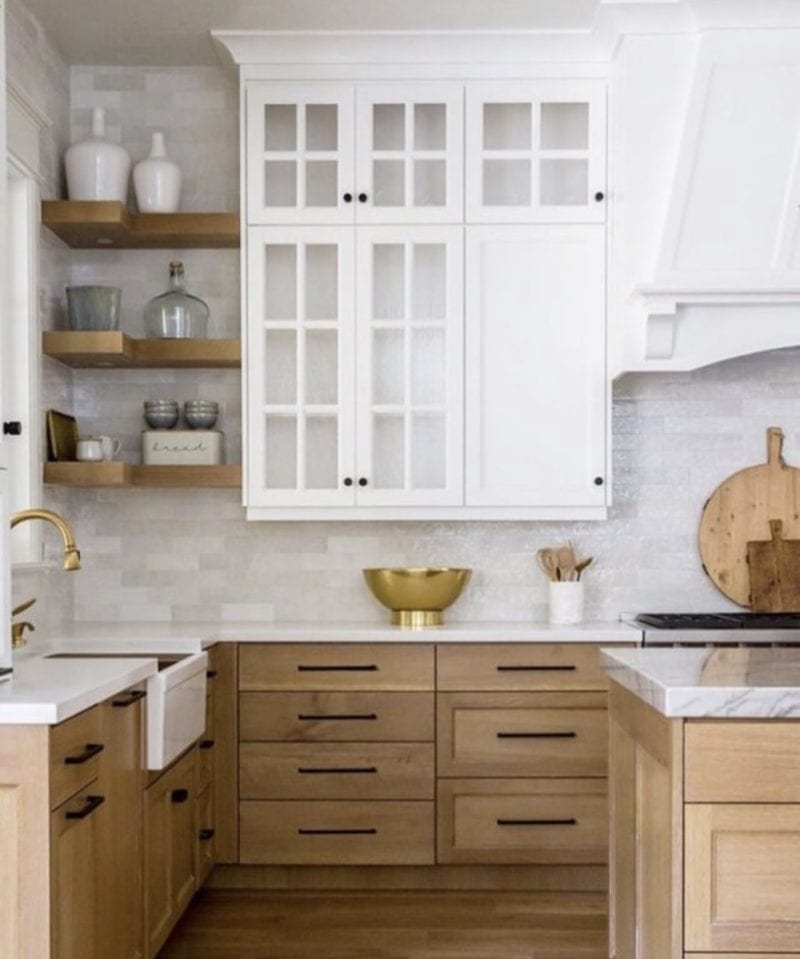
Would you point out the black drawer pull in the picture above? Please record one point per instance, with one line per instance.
(92, 750)
(133, 697)
(537, 735)
(179, 795)
(92, 802)
(345, 717)
(536, 669)
(337, 669)
(537, 822)
(211, 674)
(337, 832)
(206, 834)
(335, 770)
(206, 744)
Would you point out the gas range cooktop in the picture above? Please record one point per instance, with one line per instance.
(719, 629)
(719, 620)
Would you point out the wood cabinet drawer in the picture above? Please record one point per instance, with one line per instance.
(522, 821)
(337, 833)
(75, 749)
(740, 761)
(522, 734)
(519, 666)
(336, 717)
(335, 771)
(342, 666)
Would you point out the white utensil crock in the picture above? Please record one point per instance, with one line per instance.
(157, 180)
(97, 168)
(566, 603)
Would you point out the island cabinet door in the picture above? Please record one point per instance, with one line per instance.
(742, 878)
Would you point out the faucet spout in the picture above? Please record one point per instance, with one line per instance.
(72, 556)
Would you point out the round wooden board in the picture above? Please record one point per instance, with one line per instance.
(739, 510)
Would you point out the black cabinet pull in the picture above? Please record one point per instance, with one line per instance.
(348, 481)
(335, 770)
(337, 669)
(537, 822)
(348, 197)
(179, 795)
(206, 834)
(536, 735)
(599, 196)
(536, 669)
(345, 717)
(598, 481)
(92, 750)
(362, 481)
(362, 198)
(211, 674)
(133, 697)
(206, 744)
(92, 803)
(337, 832)
(12, 428)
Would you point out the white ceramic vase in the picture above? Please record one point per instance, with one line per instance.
(97, 168)
(157, 180)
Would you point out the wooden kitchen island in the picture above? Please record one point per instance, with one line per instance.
(704, 796)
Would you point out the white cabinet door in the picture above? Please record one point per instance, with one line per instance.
(300, 376)
(535, 152)
(410, 366)
(535, 361)
(299, 153)
(409, 153)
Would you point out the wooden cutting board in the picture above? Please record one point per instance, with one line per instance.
(738, 512)
(774, 572)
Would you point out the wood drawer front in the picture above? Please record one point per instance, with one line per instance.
(519, 666)
(76, 747)
(342, 666)
(337, 833)
(340, 771)
(522, 821)
(740, 761)
(336, 717)
(522, 734)
(742, 877)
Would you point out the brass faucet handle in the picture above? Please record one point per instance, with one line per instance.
(18, 633)
(23, 606)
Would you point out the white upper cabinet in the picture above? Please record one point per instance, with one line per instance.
(535, 152)
(331, 153)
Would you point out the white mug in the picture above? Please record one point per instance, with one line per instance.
(89, 450)
(110, 447)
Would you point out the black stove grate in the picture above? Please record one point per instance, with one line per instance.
(719, 620)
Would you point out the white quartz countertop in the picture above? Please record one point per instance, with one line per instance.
(729, 683)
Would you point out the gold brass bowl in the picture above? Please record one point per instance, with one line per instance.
(417, 595)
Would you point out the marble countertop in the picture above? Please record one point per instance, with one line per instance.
(733, 683)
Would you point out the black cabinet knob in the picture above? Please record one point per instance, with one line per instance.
(363, 481)
(12, 428)
(179, 795)
(598, 481)
(362, 197)
(599, 196)
(348, 481)
(348, 198)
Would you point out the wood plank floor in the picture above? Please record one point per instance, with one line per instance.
(266, 924)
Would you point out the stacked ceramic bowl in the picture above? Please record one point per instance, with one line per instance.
(200, 414)
(161, 414)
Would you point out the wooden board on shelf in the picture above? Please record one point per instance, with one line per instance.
(226, 476)
(87, 474)
(112, 348)
(108, 224)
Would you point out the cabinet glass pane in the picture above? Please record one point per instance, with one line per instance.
(429, 281)
(388, 126)
(429, 183)
(321, 183)
(280, 281)
(428, 451)
(322, 282)
(564, 182)
(322, 452)
(565, 126)
(322, 367)
(321, 127)
(280, 126)
(507, 126)
(388, 366)
(281, 452)
(388, 452)
(388, 281)
(507, 182)
(280, 183)
(280, 367)
(430, 126)
(428, 367)
(389, 183)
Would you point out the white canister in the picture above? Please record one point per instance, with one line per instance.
(157, 180)
(97, 168)
(566, 603)
(89, 450)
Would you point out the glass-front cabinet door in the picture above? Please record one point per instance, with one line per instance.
(300, 361)
(299, 143)
(409, 153)
(535, 152)
(410, 366)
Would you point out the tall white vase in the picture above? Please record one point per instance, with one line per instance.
(157, 180)
(97, 168)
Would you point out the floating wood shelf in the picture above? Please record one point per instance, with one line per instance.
(112, 348)
(86, 225)
(226, 476)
